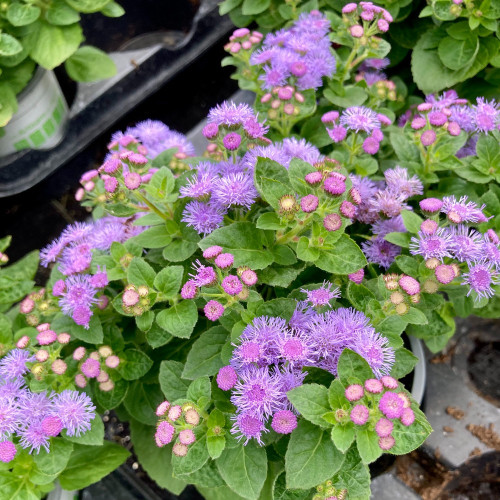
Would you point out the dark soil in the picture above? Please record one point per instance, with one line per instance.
(477, 479)
(484, 368)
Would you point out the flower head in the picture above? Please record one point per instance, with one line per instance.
(284, 422)
(391, 405)
(481, 277)
(360, 118)
(203, 217)
(75, 411)
(322, 295)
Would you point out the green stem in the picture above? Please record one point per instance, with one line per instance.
(153, 207)
(298, 229)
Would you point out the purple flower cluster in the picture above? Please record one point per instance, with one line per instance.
(73, 251)
(268, 359)
(381, 206)
(32, 418)
(450, 245)
(375, 403)
(44, 350)
(448, 114)
(176, 421)
(283, 153)
(299, 55)
(365, 19)
(231, 287)
(357, 119)
(156, 137)
(243, 40)
(95, 365)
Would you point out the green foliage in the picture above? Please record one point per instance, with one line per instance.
(311, 457)
(88, 464)
(244, 469)
(48, 34)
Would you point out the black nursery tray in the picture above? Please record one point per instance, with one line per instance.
(149, 62)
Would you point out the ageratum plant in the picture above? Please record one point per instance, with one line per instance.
(243, 311)
(47, 34)
(447, 43)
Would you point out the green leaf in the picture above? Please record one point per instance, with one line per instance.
(55, 461)
(343, 436)
(354, 96)
(352, 366)
(168, 281)
(311, 401)
(180, 319)
(140, 273)
(172, 384)
(280, 491)
(52, 45)
(112, 9)
(359, 295)
(271, 180)
(154, 237)
(93, 437)
(204, 358)
(195, 459)
(297, 171)
(407, 264)
(431, 75)
(89, 64)
(343, 257)
(157, 462)
(367, 443)
(244, 469)
(405, 150)
(415, 317)
(354, 476)
(283, 308)
(404, 364)
(252, 7)
(23, 269)
(9, 46)
(89, 464)
(400, 239)
(179, 250)
(215, 446)
(92, 335)
(412, 221)
(87, 6)
(437, 332)
(228, 5)
(311, 457)
(157, 336)
(19, 14)
(306, 250)
(145, 320)
(269, 220)
(455, 54)
(200, 391)
(281, 276)
(336, 395)
(113, 398)
(61, 14)
(142, 400)
(244, 242)
(134, 364)
(410, 438)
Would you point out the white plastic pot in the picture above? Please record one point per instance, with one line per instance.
(40, 119)
(59, 494)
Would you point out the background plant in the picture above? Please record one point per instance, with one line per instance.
(47, 34)
(445, 42)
